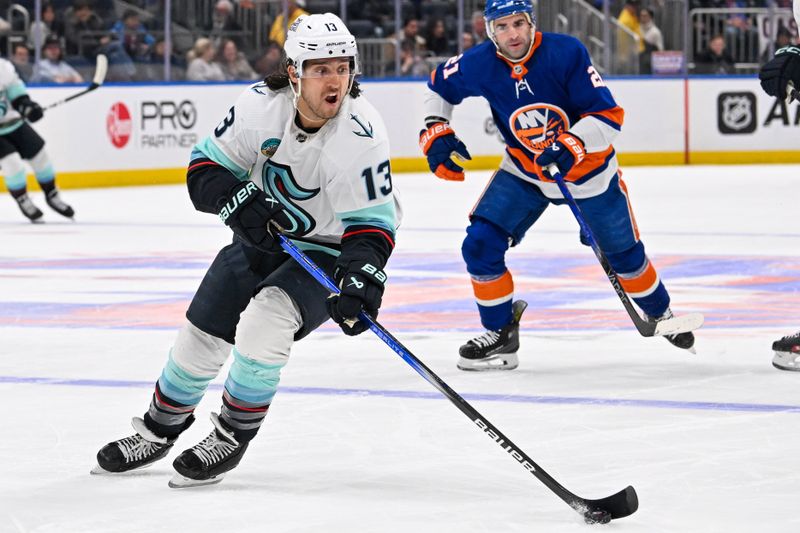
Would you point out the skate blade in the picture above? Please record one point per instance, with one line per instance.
(785, 361)
(789, 368)
(182, 482)
(100, 471)
(491, 363)
(679, 324)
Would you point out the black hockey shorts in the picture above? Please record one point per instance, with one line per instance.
(239, 272)
(24, 140)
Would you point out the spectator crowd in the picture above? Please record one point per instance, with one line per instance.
(70, 33)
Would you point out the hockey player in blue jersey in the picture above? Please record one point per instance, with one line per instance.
(552, 107)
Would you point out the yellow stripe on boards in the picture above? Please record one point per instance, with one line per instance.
(744, 158)
(166, 176)
(112, 178)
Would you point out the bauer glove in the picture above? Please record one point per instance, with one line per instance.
(568, 151)
(30, 110)
(248, 212)
(439, 144)
(779, 71)
(361, 285)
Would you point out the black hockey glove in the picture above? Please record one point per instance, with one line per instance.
(30, 110)
(247, 210)
(361, 285)
(568, 151)
(776, 74)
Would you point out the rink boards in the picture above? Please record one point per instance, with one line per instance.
(143, 134)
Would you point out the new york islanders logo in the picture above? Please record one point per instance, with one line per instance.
(536, 126)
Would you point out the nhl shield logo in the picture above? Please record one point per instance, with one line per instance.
(270, 146)
(736, 113)
(518, 69)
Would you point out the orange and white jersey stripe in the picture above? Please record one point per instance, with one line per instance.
(495, 291)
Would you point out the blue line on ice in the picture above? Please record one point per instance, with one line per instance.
(510, 398)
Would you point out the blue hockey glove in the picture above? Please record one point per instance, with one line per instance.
(568, 151)
(361, 286)
(440, 145)
(248, 212)
(781, 70)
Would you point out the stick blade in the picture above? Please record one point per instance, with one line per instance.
(101, 69)
(619, 505)
(679, 324)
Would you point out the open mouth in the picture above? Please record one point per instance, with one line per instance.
(332, 98)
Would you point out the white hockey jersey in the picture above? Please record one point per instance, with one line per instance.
(11, 87)
(327, 180)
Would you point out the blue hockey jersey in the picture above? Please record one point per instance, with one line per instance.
(553, 89)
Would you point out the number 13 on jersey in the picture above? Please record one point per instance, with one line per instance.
(385, 188)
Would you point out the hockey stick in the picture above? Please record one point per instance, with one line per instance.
(99, 77)
(669, 326)
(619, 505)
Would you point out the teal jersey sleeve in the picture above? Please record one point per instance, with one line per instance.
(232, 143)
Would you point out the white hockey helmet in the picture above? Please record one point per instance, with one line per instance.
(319, 36)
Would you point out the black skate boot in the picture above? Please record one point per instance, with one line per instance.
(137, 451)
(684, 341)
(58, 205)
(787, 353)
(28, 208)
(207, 462)
(494, 350)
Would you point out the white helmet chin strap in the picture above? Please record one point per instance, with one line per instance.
(296, 98)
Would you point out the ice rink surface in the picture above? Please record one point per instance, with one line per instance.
(356, 441)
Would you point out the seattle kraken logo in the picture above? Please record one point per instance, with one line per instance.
(279, 183)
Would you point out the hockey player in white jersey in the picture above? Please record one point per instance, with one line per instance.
(780, 77)
(19, 141)
(305, 151)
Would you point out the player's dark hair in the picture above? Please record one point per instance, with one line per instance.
(280, 79)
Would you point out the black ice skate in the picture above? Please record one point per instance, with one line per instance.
(137, 451)
(58, 205)
(684, 340)
(207, 462)
(787, 353)
(28, 208)
(494, 350)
